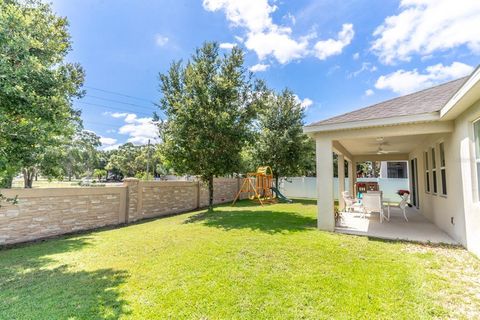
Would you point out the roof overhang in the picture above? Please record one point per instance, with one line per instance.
(380, 122)
(464, 98)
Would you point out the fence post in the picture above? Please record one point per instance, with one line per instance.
(132, 198)
(198, 194)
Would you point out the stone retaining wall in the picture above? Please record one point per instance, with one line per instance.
(42, 213)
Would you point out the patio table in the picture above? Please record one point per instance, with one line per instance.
(387, 202)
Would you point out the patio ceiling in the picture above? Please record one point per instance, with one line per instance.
(391, 145)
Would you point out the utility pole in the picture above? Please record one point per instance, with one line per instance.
(148, 157)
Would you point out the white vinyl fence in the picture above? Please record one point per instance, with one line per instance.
(306, 187)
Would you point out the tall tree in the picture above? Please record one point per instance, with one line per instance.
(124, 160)
(80, 156)
(209, 103)
(36, 87)
(281, 142)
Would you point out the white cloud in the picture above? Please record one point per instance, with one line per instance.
(403, 82)
(425, 26)
(131, 118)
(259, 67)
(251, 14)
(333, 69)
(115, 114)
(239, 39)
(366, 66)
(326, 48)
(290, 17)
(139, 130)
(369, 92)
(161, 40)
(112, 147)
(305, 103)
(227, 45)
(278, 43)
(356, 56)
(263, 36)
(105, 141)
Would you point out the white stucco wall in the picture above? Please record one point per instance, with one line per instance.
(464, 137)
(438, 208)
(461, 202)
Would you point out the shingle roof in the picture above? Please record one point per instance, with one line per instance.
(425, 101)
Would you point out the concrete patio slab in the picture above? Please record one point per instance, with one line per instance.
(418, 228)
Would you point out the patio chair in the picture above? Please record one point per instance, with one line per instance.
(403, 204)
(372, 202)
(351, 204)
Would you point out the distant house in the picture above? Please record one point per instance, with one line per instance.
(394, 170)
(437, 131)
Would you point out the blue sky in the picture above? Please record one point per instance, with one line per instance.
(335, 55)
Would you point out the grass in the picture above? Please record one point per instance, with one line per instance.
(243, 262)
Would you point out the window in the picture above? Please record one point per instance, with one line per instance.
(397, 170)
(427, 173)
(434, 171)
(476, 129)
(443, 173)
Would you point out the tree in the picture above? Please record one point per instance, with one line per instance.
(131, 161)
(209, 103)
(100, 173)
(36, 87)
(281, 143)
(124, 160)
(81, 155)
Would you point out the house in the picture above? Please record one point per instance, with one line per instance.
(437, 130)
(393, 170)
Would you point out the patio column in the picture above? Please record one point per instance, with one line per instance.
(341, 181)
(354, 178)
(351, 178)
(324, 157)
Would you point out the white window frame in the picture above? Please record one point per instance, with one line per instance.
(477, 156)
(443, 168)
(426, 168)
(433, 155)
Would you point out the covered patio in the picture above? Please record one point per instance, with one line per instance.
(386, 143)
(437, 130)
(418, 228)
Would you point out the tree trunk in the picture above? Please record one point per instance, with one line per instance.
(210, 193)
(28, 175)
(276, 181)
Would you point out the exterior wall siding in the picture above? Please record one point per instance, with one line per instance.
(43, 213)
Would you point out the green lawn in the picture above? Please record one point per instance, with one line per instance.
(243, 262)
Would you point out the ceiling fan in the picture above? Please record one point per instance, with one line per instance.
(380, 149)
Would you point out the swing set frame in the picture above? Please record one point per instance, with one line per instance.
(258, 186)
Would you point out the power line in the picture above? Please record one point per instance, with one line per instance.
(119, 94)
(90, 123)
(97, 124)
(113, 126)
(115, 108)
(121, 102)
